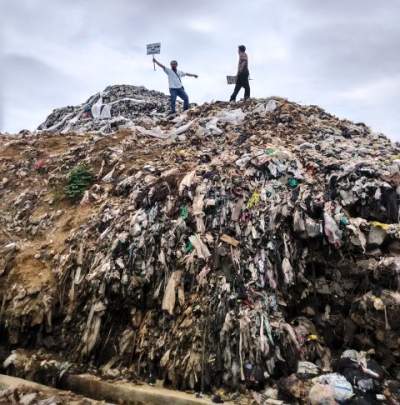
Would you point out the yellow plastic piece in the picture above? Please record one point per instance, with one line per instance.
(377, 224)
(254, 200)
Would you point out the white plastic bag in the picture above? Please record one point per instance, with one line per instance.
(100, 110)
(271, 106)
(96, 108)
(212, 127)
(306, 369)
(332, 231)
(105, 111)
(342, 389)
(234, 117)
(321, 394)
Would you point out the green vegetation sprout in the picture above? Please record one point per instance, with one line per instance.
(79, 180)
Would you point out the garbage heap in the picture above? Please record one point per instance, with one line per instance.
(116, 107)
(22, 395)
(246, 245)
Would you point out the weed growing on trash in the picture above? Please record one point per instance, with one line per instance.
(79, 179)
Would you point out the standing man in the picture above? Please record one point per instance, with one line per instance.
(242, 78)
(176, 88)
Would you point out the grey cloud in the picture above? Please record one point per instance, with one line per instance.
(31, 84)
(32, 77)
(349, 54)
(346, 42)
(119, 22)
(344, 10)
(321, 52)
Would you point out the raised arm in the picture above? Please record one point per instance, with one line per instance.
(192, 75)
(158, 63)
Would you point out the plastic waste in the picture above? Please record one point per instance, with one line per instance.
(105, 112)
(260, 109)
(271, 106)
(321, 394)
(212, 127)
(293, 183)
(306, 369)
(189, 247)
(376, 235)
(254, 200)
(260, 282)
(234, 117)
(270, 151)
(154, 132)
(380, 225)
(96, 108)
(341, 388)
(332, 231)
(131, 105)
(184, 212)
(100, 110)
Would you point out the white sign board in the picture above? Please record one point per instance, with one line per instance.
(153, 49)
(231, 79)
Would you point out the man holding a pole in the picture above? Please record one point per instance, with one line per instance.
(176, 88)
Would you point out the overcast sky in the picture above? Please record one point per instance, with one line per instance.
(343, 54)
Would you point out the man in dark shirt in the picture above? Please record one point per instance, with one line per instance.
(242, 78)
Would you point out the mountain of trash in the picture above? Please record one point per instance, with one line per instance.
(248, 247)
(114, 108)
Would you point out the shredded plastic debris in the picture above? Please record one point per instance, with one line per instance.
(116, 107)
(23, 395)
(247, 247)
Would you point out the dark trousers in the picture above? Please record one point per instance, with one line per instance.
(241, 81)
(181, 93)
